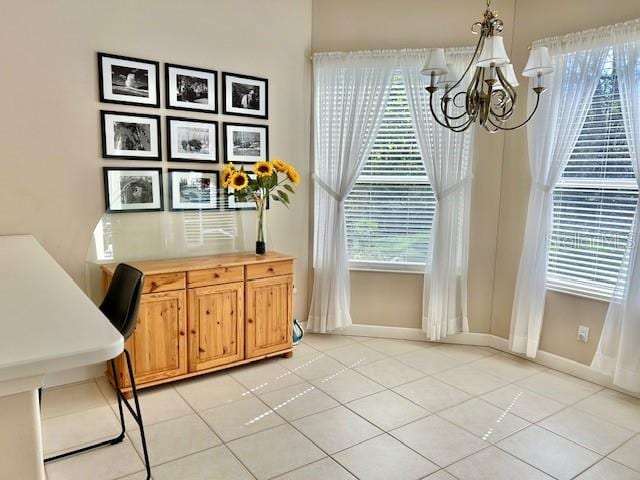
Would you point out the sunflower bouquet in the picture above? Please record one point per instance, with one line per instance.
(268, 179)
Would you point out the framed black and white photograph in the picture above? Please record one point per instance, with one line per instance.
(128, 81)
(244, 143)
(233, 204)
(193, 190)
(192, 140)
(245, 95)
(190, 88)
(133, 189)
(130, 135)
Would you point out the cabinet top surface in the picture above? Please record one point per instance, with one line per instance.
(150, 267)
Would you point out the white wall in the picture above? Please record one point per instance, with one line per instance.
(51, 180)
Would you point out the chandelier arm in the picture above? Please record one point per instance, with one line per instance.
(523, 123)
(506, 111)
(454, 128)
(511, 94)
(487, 127)
(473, 57)
(471, 103)
(433, 112)
(453, 100)
(462, 127)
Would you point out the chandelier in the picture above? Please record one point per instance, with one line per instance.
(490, 98)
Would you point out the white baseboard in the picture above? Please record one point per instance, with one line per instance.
(550, 360)
(407, 333)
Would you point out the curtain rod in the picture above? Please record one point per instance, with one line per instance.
(589, 32)
(451, 50)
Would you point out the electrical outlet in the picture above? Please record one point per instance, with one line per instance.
(583, 334)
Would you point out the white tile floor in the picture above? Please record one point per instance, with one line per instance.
(348, 407)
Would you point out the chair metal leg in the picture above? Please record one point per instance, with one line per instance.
(117, 387)
(138, 417)
(136, 414)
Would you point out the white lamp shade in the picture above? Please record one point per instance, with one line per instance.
(449, 79)
(436, 63)
(539, 62)
(510, 74)
(493, 52)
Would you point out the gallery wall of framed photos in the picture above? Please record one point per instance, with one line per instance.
(191, 137)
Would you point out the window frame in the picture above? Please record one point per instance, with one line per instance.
(382, 266)
(623, 186)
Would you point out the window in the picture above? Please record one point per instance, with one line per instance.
(594, 201)
(390, 210)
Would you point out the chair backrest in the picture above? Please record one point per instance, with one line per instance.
(120, 304)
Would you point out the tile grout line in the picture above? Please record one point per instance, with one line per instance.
(383, 431)
(221, 439)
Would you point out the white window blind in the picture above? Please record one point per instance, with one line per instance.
(594, 201)
(390, 210)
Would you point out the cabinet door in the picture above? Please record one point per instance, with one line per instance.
(268, 315)
(216, 329)
(158, 347)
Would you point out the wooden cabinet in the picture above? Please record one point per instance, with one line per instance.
(203, 314)
(268, 315)
(216, 327)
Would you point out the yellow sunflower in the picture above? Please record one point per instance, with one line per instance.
(226, 175)
(239, 180)
(293, 175)
(263, 169)
(279, 165)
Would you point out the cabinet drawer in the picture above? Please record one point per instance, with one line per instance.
(163, 282)
(269, 269)
(214, 276)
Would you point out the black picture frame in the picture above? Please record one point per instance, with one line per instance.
(212, 90)
(119, 99)
(170, 151)
(227, 96)
(104, 132)
(215, 195)
(106, 187)
(226, 145)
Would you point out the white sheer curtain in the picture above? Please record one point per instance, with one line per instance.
(618, 353)
(447, 159)
(552, 134)
(351, 91)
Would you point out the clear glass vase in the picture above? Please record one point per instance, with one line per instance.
(261, 226)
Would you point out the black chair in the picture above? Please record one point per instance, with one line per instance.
(120, 306)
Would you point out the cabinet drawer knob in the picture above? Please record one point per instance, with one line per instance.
(181, 333)
(193, 332)
(270, 269)
(215, 275)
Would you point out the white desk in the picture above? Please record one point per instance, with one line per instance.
(47, 324)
